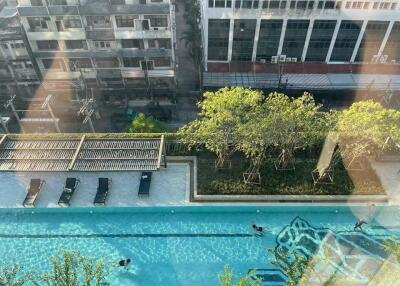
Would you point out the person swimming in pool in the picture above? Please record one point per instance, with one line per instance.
(124, 263)
(359, 224)
(258, 230)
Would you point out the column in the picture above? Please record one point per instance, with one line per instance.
(360, 36)
(307, 41)
(386, 37)
(282, 38)
(230, 44)
(333, 40)
(256, 36)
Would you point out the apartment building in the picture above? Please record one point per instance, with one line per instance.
(18, 74)
(319, 34)
(104, 45)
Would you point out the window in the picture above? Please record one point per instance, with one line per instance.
(102, 44)
(366, 5)
(162, 62)
(117, 2)
(28, 65)
(132, 43)
(376, 4)
(47, 45)
(107, 62)
(274, 4)
(302, 5)
(320, 4)
(76, 45)
(348, 4)
(58, 2)
(160, 43)
(98, 21)
(265, 4)
(81, 63)
(36, 3)
(283, 4)
(219, 3)
(329, 4)
(210, 3)
(68, 22)
(393, 6)
(125, 21)
(132, 62)
(38, 23)
(56, 64)
(5, 46)
(292, 4)
(158, 21)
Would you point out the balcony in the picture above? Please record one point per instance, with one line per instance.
(28, 74)
(143, 34)
(76, 34)
(93, 33)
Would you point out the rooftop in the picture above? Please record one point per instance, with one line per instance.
(113, 152)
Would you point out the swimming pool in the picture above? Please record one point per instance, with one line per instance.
(190, 246)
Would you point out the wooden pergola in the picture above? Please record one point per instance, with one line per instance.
(85, 153)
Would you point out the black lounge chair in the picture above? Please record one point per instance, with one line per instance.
(33, 191)
(102, 192)
(70, 186)
(144, 186)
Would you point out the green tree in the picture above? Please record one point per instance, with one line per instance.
(294, 266)
(73, 269)
(12, 277)
(145, 124)
(392, 246)
(226, 278)
(284, 123)
(364, 128)
(291, 124)
(222, 113)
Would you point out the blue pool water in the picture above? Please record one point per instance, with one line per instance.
(191, 246)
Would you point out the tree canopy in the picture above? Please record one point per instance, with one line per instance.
(145, 124)
(221, 115)
(364, 128)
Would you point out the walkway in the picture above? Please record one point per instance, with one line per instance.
(169, 187)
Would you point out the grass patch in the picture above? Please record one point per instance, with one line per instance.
(273, 182)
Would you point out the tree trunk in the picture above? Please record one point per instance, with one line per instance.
(252, 175)
(222, 162)
(285, 160)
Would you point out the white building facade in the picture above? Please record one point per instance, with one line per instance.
(325, 32)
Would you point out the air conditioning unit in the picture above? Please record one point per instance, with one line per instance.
(282, 58)
(288, 60)
(263, 61)
(294, 60)
(274, 59)
(393, 61)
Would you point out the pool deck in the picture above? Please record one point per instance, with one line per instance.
(169, 187)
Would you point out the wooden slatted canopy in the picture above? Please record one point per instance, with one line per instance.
(63, 153)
